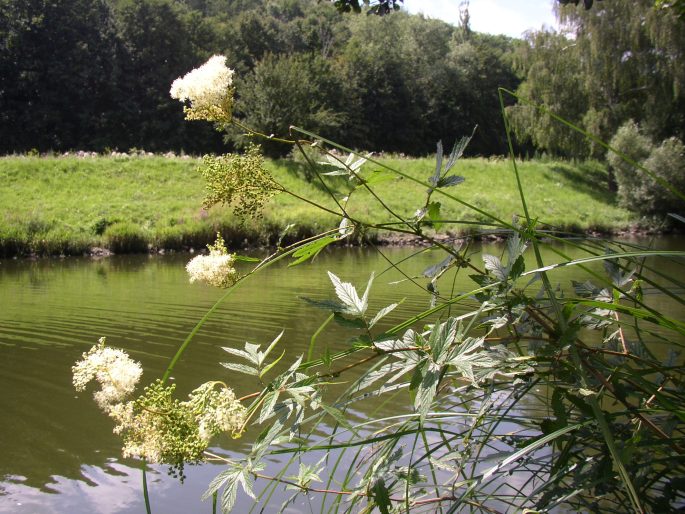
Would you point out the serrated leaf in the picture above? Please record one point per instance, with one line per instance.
(346, 228)
(348, 295)
(452, 180)
(517, 268)
(494, 265)
(433, 179)
(230, 493)
(241, 368)
(239, 353)
(268, 405)
(217, 483)
(426, 390)
(435, 269)
(272, 345)
(381, 496)
(339, 417)
(311, 250)
(253, 351)
(434, 214)
(481, 280)
(382, 313)
(392, 344)
(268, 367)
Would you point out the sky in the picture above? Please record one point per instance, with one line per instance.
(510, 17)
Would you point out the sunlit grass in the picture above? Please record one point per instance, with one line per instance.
(65, 205)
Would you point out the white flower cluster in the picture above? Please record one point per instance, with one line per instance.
(208, 88)
(113, 369)
(216, 411)
(215, 269)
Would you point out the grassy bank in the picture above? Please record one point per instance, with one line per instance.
(67, 205)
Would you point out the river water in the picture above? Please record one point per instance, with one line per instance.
(57, 450)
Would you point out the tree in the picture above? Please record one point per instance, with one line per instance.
(58, 70)
(618, 64)
(550, 63)
(379, 7)
(290, 89)
(163, 41)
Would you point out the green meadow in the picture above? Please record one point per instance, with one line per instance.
(68, 205)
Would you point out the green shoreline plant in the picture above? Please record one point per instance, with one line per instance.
(537, 398)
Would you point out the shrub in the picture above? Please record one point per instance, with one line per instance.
(667, 162)
(633, 144)
(125, 238)
(636, 189)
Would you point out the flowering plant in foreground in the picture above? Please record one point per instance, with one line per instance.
(215, 269)
(155, 426)
(560, 389)
(208, 89)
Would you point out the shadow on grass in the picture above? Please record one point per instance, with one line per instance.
(587, 178)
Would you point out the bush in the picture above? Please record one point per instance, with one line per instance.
(629, 141)
(638, 191)
(125, 238)
(667, 162)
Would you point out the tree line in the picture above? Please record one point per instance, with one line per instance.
(95, 75)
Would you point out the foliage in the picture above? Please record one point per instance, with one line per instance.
(379, 7)
(357, 76)
(534, 396)
(637, 190)
(610, 64)
(65, 205)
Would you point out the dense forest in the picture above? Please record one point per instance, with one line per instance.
(95, 75)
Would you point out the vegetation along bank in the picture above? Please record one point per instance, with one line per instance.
(69, 205)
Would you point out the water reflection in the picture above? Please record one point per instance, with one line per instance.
(57, 451)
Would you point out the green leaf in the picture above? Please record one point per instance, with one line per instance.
(269, 366)
(244, 258)
(347, 294)
(240, 353)
(494, 265)
(434, 214)
(452, 180)
(426, 390)
(339, 417)
(268, 405)
(383, 312)
(241, 368)
(381, 496)
(517, 268)
(311, 250)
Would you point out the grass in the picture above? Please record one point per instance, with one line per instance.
(66, 205)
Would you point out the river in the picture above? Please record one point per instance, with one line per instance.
(57, 451)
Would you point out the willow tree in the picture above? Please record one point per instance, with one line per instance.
(621, 60)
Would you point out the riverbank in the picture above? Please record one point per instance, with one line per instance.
(71, 205)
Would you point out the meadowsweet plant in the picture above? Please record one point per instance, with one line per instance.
(521, 394)
(155, 426)
(216, 269)
(208, 89)
(240, 181)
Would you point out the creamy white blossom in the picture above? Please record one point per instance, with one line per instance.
(215, 269)
(112, 368)
(208, 88)
(216, 411)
